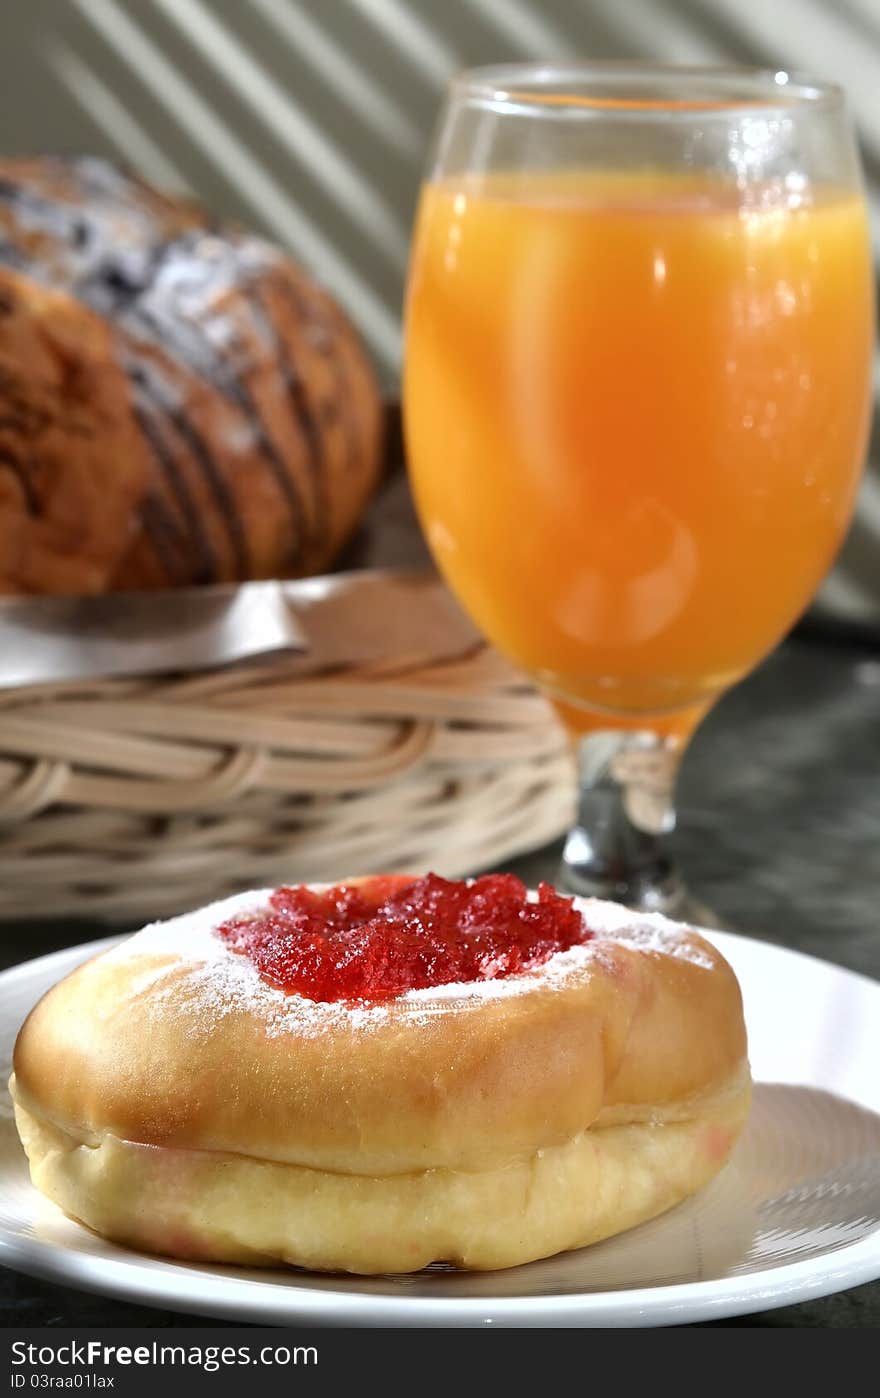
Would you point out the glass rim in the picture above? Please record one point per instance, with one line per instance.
(557, 90)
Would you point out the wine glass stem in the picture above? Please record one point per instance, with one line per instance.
(618, 846)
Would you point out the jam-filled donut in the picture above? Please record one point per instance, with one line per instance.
(384, 1074)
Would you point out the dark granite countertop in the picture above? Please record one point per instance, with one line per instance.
(779, 833)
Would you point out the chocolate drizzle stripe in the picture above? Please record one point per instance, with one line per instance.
(201, 454)
(165, 537)
(308, 311)
(116, 283)
(206, 570)
(191, 345)
(344, 398)
(237, 390)
(302, 412)
(12, 464)
(219, 488)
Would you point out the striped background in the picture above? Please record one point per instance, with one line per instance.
(310, 118)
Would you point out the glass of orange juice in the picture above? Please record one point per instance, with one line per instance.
(639, 331)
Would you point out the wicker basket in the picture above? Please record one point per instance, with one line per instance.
(123, 800)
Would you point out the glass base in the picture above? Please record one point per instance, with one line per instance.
(647, 891)
(618, 846)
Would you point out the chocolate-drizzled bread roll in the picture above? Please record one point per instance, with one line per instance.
(213, 413)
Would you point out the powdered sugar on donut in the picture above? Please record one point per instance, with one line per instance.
(644, 931)
(218, 982)
(194, 971)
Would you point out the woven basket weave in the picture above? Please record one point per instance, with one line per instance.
(132, 799)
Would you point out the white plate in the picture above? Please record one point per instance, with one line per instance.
(795, 1214)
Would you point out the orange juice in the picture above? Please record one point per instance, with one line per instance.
(636, 415)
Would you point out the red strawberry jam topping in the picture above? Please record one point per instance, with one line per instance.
(373, 940)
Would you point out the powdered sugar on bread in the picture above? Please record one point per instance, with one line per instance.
(218, 981)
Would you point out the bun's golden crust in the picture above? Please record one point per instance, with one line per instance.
(209, 1206)
(153, 1046)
